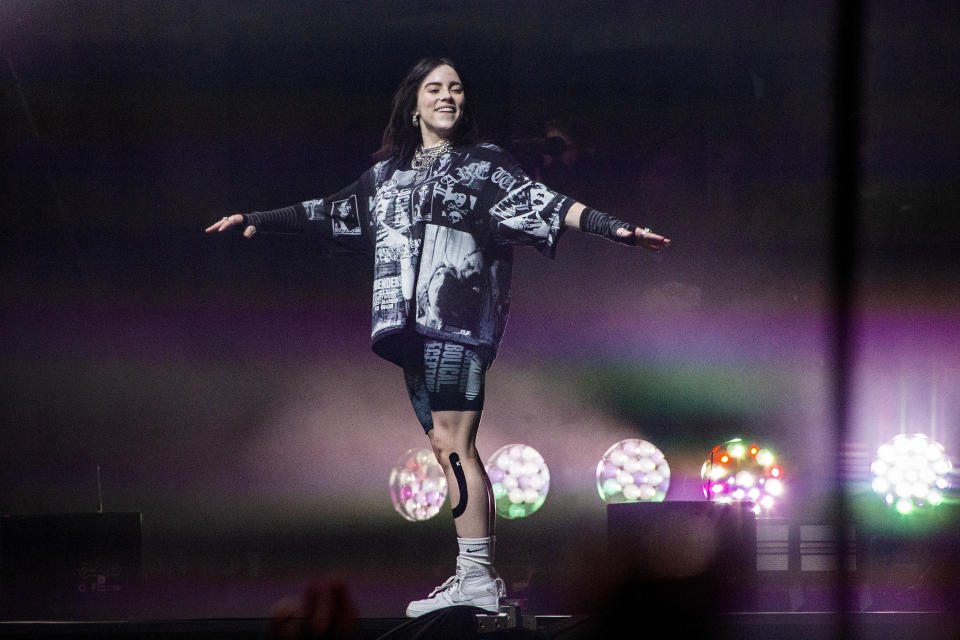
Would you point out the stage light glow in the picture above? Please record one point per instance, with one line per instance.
(736, 471)
(745, 479)
(611, 487)
(764, 456)
(520, 480)
(632, 470)
(910, 471)
(417, 485)
(774, 487)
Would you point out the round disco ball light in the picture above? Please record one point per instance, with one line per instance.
(520, 480)
(738, 471)
(417, 485)
(633, 470)
(911, 472)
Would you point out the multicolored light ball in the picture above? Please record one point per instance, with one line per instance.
(911, 472)
(633, 470)
(736, 471)
(520, 480)
(417, 485)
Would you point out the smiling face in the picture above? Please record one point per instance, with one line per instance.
(439, 105)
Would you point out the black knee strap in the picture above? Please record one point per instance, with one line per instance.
(461, 484)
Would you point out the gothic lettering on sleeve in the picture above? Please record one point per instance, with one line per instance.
(503, 179)
(473, 175)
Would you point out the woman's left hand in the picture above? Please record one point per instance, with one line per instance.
(643, 238)
(228, 222)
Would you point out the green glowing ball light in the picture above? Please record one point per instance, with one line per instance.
(633, 470)
(911, 472)
(520, 480)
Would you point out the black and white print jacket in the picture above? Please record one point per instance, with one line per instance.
(441, 238)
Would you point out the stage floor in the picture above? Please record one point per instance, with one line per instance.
(884, 625)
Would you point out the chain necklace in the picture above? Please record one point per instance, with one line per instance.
(423, 158)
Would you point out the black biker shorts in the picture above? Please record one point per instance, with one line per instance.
(443, 376)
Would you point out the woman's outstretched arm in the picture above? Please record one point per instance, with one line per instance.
(341, 222)
(609, 227)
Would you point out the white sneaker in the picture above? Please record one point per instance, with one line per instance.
(471, 586)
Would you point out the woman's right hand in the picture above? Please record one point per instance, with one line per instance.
(228, 222)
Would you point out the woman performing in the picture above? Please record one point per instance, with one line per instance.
(440, 214)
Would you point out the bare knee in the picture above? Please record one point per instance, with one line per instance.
(443, 445)
(451, 436)
(439, 450)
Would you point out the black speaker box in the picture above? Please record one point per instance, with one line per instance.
(76, 566)
(684, 557)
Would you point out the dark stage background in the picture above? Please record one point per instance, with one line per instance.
(226, 387)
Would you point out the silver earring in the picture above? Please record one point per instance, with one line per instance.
(416, 120)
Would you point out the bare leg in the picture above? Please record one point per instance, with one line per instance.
(456, 432)
(476, 583)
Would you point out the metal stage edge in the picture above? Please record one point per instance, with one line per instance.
(878, 625)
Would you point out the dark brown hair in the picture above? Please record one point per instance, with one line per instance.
(401, 138)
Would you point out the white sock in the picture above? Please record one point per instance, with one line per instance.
(478, 551)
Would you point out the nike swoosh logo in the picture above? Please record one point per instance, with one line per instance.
(474, 550)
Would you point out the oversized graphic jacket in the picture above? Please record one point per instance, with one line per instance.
(441, 238)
